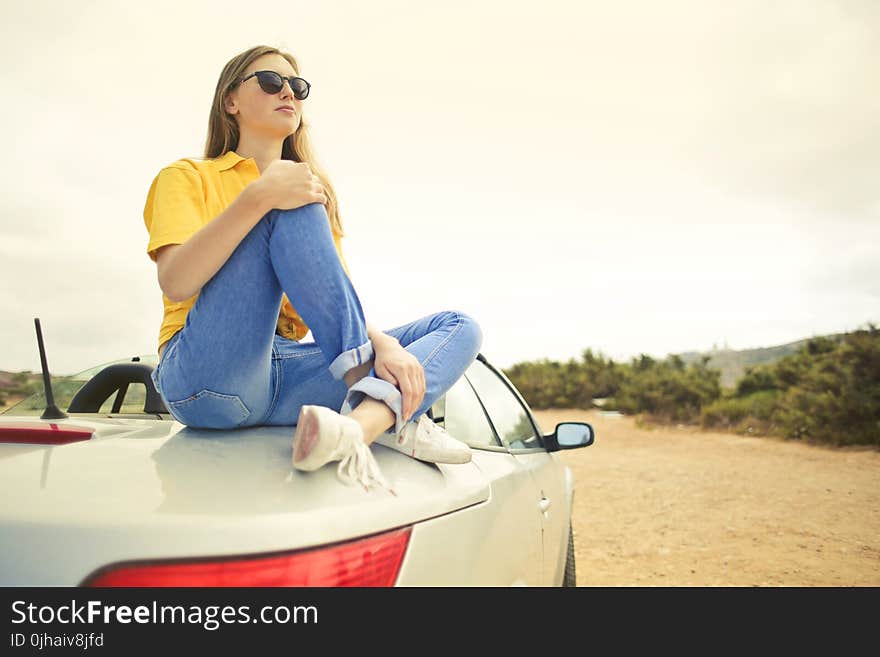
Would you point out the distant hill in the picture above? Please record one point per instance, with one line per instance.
(733, 363)
(17, 385)
(16, 379)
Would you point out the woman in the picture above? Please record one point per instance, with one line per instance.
(240, 234)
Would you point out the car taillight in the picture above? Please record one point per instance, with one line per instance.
(372, 561)
(42, 433)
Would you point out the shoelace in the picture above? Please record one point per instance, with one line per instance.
(358, 465)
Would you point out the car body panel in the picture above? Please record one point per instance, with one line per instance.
(149, 489)
(489, 544)
(146, 488)
(549, 477)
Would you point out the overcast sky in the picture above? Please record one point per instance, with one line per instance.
(631, 177)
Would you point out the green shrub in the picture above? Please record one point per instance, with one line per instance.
(668, 389)
(729, 412)
(829, 391)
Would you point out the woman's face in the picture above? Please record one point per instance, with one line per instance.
(259, 112)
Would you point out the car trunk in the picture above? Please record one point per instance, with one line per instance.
(152, 489)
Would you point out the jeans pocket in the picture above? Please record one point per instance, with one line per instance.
(210, 410)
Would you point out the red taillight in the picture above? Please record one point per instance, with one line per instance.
(42, 433)
(373, 561)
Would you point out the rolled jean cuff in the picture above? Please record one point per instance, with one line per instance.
(379, 389)
(351, 358)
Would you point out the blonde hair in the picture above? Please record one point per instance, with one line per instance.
(223, 133)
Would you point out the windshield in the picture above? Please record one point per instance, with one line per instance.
(65, 387)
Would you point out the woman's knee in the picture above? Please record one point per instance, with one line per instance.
(469, 329)
(308, 210)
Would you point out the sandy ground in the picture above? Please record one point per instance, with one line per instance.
(675, 506)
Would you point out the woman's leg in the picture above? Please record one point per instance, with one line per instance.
(217, 371)
(445, 343)
(318, 298)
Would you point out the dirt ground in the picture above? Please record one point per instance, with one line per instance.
(676, 506)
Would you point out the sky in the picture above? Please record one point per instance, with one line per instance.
(629, 177)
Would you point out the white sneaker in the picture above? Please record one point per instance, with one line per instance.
(323, 435)
(426, 441)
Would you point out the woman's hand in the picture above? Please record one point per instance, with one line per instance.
(287, 185)
(396, 365)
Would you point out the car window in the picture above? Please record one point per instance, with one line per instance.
(64, 388)
(509, 417)
(133, 400)
(464, 417)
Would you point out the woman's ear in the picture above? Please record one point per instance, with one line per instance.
(230, 104)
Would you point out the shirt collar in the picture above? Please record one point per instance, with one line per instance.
(229, 159)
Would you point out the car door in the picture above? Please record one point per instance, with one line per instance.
(512, 544)
(513, 423)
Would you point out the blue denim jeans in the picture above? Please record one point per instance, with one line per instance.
(227, 368)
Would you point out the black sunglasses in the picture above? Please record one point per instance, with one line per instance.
(272, 82)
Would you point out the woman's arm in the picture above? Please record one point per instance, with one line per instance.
(190, 258)
(378, 338)
(396, 365)
(185, 268)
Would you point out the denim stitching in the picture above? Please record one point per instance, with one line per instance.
(300, 354)
(352, 356)
(452, 333)
(277, 374)
(348, 361)
(206, 392)
(172, 343)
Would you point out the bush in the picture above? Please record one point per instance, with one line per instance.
(829, 391)
(667, 389)
(732, 412)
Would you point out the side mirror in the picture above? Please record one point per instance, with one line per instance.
(570, 435)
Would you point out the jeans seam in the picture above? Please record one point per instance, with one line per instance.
(172, 347)
(168, 349)
(355, 354)
(217, 395)
(445, 341)
(277, 375)
(301, 354)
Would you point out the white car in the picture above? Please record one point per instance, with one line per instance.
(118, 493)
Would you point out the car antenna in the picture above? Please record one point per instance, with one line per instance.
(52, 412)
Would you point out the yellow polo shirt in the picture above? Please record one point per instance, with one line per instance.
(185, 196)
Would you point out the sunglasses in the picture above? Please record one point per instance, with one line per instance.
(272, 82)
